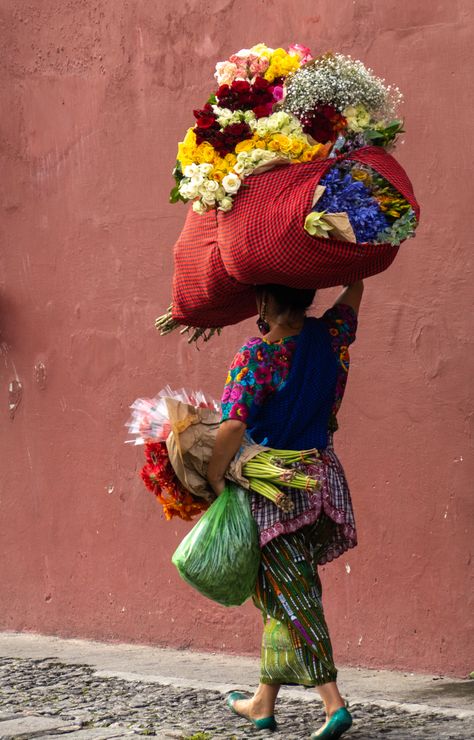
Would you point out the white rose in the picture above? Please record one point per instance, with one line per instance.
(206, 168)
(198, 207)
(210, 186)
(208, 199)
(231, 183)
(225, 117)
(197, 180)
(225, 204)
(187, 190)
(281, 118)
(190, 170)
(239, 168)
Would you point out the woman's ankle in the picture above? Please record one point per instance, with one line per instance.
(330, 709)
(263, 701)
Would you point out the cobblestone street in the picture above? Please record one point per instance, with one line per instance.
(46, 697)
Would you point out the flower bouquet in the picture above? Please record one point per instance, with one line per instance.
(277, 106)
(336, 213)
(178, 430)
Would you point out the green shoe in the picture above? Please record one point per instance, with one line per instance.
(266, 723)
(337, 725)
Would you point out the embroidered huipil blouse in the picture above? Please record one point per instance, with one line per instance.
(259, 369)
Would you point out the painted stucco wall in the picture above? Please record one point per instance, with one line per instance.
(94, 97)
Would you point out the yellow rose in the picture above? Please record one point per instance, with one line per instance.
(190, 138)
(281, 64)
(262, 50)
(230, 160)
(307, 156)
(205, 153)
(284, 143)
(297, 147)
(244, 146)
(273, 146)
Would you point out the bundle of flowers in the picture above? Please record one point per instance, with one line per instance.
(273, 107)
(178, 454)
(354, 202)
(160, 478)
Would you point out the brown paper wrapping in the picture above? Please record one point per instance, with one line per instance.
(190, 445)
(341, 226)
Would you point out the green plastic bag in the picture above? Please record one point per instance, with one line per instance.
(220, 556)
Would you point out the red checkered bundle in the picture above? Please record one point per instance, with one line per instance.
(219, 256)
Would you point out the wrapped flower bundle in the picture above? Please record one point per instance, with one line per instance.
(336, 213)
(353, 202)
(178, 430)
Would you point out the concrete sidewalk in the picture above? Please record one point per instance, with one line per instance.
(222, 673)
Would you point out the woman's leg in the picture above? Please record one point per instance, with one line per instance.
(261, 704)
(331, 697)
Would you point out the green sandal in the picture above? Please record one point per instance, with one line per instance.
(340, 721)
(266, 723)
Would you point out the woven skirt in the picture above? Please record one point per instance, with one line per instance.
(296, 647)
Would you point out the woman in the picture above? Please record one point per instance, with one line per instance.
(285, 389)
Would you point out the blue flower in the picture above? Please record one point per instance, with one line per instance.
(344, 194)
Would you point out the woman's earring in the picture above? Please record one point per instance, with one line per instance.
(263, 325)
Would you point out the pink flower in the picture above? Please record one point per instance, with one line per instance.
(239, 412)
(257, 65)
(277, 93)
(303, 52)
(235, 393)
(225, 73)
(262, 375)
(226, 394)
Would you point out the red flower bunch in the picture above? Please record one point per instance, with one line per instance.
(224, 141)
(323, 123)
(160, 478)
(241, 95)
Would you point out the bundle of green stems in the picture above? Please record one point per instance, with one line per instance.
(166, 324)
(271, 470)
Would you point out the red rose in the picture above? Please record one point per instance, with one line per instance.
(241, 86)
(263, 110)
(205, 117)
(260, 83)
(323, 123)
(223, 91)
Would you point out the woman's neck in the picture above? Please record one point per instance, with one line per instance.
(282, 326)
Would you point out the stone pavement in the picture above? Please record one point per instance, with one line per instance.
(90, 690)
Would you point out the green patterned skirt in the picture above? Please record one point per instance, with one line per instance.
(296, 648)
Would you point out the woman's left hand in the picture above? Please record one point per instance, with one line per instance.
(218, 486)
(228, 441)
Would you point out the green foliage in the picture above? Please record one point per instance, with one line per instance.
(384, 136)
(401, 229)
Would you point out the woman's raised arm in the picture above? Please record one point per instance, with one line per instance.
(352, 295)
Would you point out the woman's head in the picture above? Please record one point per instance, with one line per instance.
(293, 301)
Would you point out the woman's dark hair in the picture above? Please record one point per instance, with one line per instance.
(288, 299)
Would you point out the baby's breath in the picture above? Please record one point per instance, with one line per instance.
(340, 81)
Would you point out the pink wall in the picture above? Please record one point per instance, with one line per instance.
(94, 98)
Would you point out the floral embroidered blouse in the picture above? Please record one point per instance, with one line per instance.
(260, 367)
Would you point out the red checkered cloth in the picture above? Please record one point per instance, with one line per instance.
(219, 256)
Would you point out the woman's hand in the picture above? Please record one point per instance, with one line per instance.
(228, 441)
